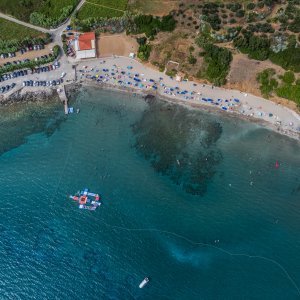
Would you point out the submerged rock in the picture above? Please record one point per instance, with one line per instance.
(179, 143)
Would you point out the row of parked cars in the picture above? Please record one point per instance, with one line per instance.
(15, 74)
(70, 51)
(34, 47)
(6, 55)
(5, 89)
(45, 68)
(17, 62)
(43, 57)
(22, 51)
(42, 82)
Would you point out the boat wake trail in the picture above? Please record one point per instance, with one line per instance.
(270, 260)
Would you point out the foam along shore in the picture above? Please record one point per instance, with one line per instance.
(124, 72)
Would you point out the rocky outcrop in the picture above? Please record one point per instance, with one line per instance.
(29, 96)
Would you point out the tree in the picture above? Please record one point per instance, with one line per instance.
(56, 51)
(267, 82)
(192, 59)
(288, 77)
(251, 6)
(144, 52)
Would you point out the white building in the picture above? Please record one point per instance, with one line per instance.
(85, 45)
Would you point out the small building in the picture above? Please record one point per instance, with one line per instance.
(85, 45)
(178, 78)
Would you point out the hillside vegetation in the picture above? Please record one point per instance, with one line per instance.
(12, 31)
(47, 13)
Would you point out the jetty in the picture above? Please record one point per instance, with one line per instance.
(63, 97)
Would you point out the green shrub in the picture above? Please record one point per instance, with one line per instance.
(171, 73)
(161, 67)
(192, 59)
(217, 61)
(144, 52)
(267, 82)
(257, 47)
(40, 19)
(214, 21)
(152, 25)
(288, 59)
(251, 6)
(141, 40)
(260, 4)
(295, 25)
(289, 91)
(56, 51)
(288, 77)
(240, 13)
(234, 6)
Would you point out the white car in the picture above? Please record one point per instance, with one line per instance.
(63, 74)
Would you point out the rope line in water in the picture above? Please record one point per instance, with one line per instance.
(63, 171)
(67, 160)
(212, 246)
(181, 236)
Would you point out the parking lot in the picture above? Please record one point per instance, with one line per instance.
(29, 54)
(37, 79)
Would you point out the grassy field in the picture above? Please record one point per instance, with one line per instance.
(153, 7)
(13, 31)
(21, 9)
(102, 8)
(163, 7)
(117, 4)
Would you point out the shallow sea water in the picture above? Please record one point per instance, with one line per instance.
(192, 200)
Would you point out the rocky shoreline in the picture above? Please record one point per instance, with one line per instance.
(29, 96)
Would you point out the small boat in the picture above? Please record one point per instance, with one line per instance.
(144, 282)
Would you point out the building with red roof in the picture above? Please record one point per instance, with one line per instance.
(85, 45)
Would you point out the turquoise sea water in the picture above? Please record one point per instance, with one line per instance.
(190, 199)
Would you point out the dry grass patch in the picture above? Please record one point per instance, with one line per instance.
(116, 44)
(153, 7)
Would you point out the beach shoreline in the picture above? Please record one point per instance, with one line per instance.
(128, 75)
(191, 105)
(73, 89)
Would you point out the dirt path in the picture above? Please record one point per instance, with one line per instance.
(12, 19)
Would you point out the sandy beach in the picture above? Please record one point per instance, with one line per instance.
(128, 74)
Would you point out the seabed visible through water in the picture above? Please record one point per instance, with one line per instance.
(190, 199)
